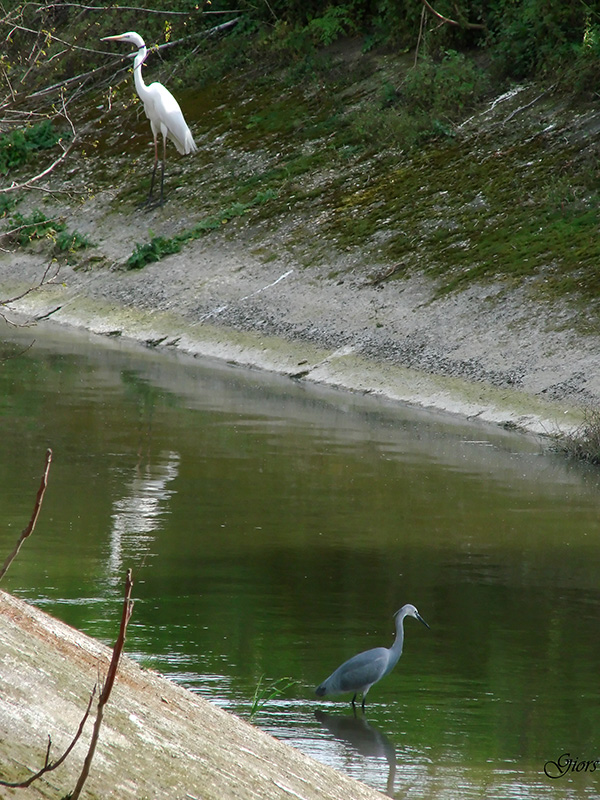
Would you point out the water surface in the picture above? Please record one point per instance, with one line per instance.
(273, 528)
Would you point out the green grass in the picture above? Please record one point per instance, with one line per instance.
(583, 444)
(263, 692)
(160, 246)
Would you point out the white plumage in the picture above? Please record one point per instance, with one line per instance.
(161, 108)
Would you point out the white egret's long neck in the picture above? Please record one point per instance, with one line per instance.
(396, 648)
(141, 87)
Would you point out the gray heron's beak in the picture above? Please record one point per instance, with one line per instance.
(420, 618)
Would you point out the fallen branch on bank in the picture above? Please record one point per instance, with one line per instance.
(443, 21)
(44, 280)
(49, 766)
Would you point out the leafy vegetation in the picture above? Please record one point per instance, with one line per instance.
(446, 87)
(8, 203)
(37, 225)
(16, 147)
(519, 39)
(71, 241)
(160, 246)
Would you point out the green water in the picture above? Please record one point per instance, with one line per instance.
(273, 528)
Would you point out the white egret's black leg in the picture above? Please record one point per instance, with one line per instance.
(363, 703)
(148, 202)
(162, 173)
(354, 701)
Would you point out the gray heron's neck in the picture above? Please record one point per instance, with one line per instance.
(396, 648)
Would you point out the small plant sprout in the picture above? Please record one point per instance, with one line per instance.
(265, 692)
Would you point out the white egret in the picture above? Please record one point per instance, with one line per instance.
(360, 672)
(161, 108)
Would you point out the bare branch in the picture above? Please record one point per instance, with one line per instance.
(162, 12)
(43, 281)
(75, 78)
(51, 765)
(102, 701)
(471, 25)
(14, 187)
(421, 26)
(110, 679)
(72, 46)
(34, 517)
(9, 84)
(21, 116)
(74, 138)
(11, 232)
(224, 26)
(37, 34)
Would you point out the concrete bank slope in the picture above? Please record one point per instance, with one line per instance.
(488, 352)
(157, 741)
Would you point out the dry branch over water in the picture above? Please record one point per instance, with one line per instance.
(29, 528)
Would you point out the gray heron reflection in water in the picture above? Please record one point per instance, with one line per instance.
(363, 737)
(360, 672)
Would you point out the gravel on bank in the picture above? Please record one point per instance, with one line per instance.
(488, 352)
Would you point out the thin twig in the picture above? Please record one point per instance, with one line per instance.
(162, 12)
(22, 115)
(110, 679)
(74, 139)
(471, 25)
(7, 79)
(51, 765)
(11, 232)
(421, 26)
(42, 282)
(14, 187)
(528, 105)
(74, 79)
(34, 517)
(224, 26)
